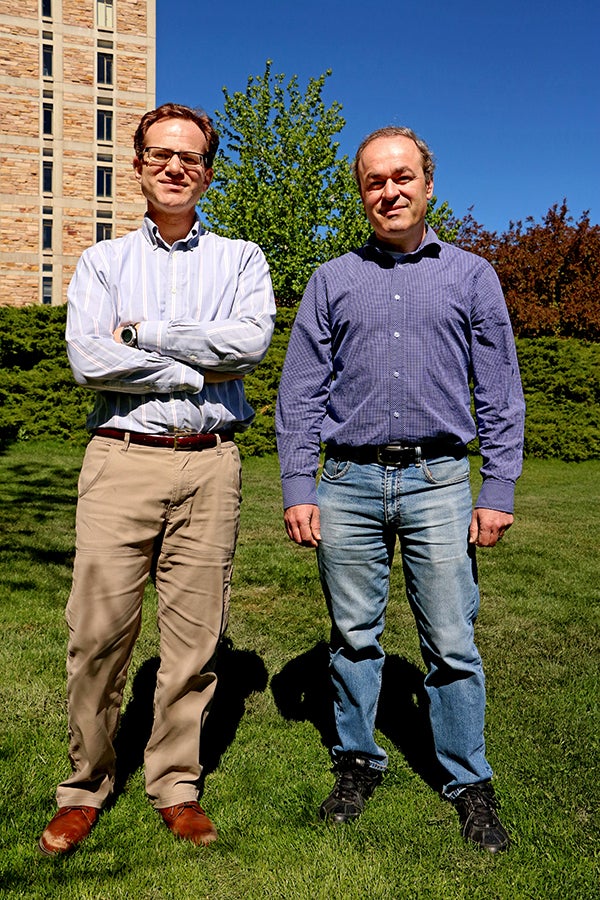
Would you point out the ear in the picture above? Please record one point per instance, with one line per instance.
(137, 168)
(430, 190)
(361, 192)
(208, 177)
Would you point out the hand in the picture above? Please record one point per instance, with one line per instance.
(117, 331)
(488, 526)
(303, 524)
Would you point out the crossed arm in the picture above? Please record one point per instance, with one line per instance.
(210, 376)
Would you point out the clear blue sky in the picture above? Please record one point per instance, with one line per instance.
(507, 94)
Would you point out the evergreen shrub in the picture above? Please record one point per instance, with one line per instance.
(39, 398)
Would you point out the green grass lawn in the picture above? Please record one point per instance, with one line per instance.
(265, 747)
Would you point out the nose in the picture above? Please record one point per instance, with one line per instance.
(390, 189)
(174, 164)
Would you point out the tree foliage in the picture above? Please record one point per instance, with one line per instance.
(550, 271)
(280, 182)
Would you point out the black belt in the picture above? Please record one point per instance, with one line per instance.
(170, 441)
(396, 454)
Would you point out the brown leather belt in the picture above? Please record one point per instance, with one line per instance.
(169, 441)
(400, 455)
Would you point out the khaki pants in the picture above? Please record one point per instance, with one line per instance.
(141, 507)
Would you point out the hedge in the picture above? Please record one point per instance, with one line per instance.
(38, 397)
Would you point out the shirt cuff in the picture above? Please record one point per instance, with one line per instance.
(299, 489)
(149, 336)
(499, 495)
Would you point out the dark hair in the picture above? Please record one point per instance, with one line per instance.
(397, 131)
(177, 111)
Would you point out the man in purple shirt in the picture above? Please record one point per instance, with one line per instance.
(389, 343)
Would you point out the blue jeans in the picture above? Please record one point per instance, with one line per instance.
(428, 506)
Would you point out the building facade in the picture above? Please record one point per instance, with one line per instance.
(75, 78)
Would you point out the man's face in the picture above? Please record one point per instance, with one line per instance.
(172, 190)
(394, 191)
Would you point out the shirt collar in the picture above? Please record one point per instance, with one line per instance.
(429, 246)
(153, 236)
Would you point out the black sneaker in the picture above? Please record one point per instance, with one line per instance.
(356, 781)
(476, 806)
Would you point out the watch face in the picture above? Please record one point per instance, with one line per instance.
(128, 335)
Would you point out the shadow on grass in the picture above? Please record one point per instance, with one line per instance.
(37, 500)
(239, 672)
(303, 692)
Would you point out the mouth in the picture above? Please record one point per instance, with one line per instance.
(392, 211)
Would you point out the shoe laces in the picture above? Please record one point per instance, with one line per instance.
(355, 780)
(478, 800)
(348, 786)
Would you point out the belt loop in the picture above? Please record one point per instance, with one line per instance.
(418, 456)
(218, 444)
(126, 438)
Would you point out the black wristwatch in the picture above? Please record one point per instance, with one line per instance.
(129, 336)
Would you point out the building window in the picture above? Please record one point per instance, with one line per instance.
(47, 176)
(104, 119)
(103, 181)
(47, 118)
(104, 13)
(47, 60)
(105, 68)
(47, 234)
(103, 231)
(47, 290)
(47, 9)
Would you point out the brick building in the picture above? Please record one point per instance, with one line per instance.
(75, 78)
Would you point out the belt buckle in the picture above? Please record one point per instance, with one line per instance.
(398, 455)
(178, 435)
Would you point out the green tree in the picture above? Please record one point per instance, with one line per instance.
(280, 182)
(442, 220)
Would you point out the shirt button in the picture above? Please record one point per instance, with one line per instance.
(396, 296)
(396, 334)
(396, 374)
(396, 415)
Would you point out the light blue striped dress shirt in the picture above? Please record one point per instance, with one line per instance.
(204, 303)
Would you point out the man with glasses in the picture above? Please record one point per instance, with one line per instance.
(385, 347)
(163, 324)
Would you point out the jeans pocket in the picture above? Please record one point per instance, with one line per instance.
(334, 469)
(446, 470)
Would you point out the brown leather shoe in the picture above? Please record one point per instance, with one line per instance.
(189, 821)
(67, 829)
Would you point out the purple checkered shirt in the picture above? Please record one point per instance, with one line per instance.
(388, 349)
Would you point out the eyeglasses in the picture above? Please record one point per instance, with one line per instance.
(161, 156)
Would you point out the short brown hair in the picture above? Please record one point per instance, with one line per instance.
(427, 159)
(177, 111)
